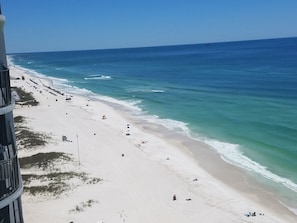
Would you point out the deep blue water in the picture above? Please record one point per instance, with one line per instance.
(239, 97)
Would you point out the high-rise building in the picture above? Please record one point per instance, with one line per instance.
(11, 186)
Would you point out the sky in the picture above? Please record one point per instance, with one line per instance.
(61, 25)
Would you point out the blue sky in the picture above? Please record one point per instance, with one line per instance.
(58, 25)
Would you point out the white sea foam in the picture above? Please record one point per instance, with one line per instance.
(128, 104)
(232, 154)
(146, 90)
(98, 77)
(58, 81)
(173, 125)
(294, 210)
(157, 91)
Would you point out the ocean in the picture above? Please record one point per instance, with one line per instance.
(238, 97)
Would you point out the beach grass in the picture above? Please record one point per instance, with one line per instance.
(43, 160)
(26, 138)
(53, 188)
(51, 183)
(55, 183)
(19, 119)
(83, 205)
(26, 98)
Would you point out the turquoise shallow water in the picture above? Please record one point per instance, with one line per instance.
(239, 97)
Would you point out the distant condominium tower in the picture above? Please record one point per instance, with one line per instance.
(11, 186)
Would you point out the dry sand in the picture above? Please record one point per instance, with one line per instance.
(115, 177)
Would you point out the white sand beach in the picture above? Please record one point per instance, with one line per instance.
(124, 172)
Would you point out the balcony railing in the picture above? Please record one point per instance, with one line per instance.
(5, 92)
(9, 177)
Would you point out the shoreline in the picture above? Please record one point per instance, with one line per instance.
(169, 158)
(217, 168)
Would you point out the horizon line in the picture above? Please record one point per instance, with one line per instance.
(154, 46)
